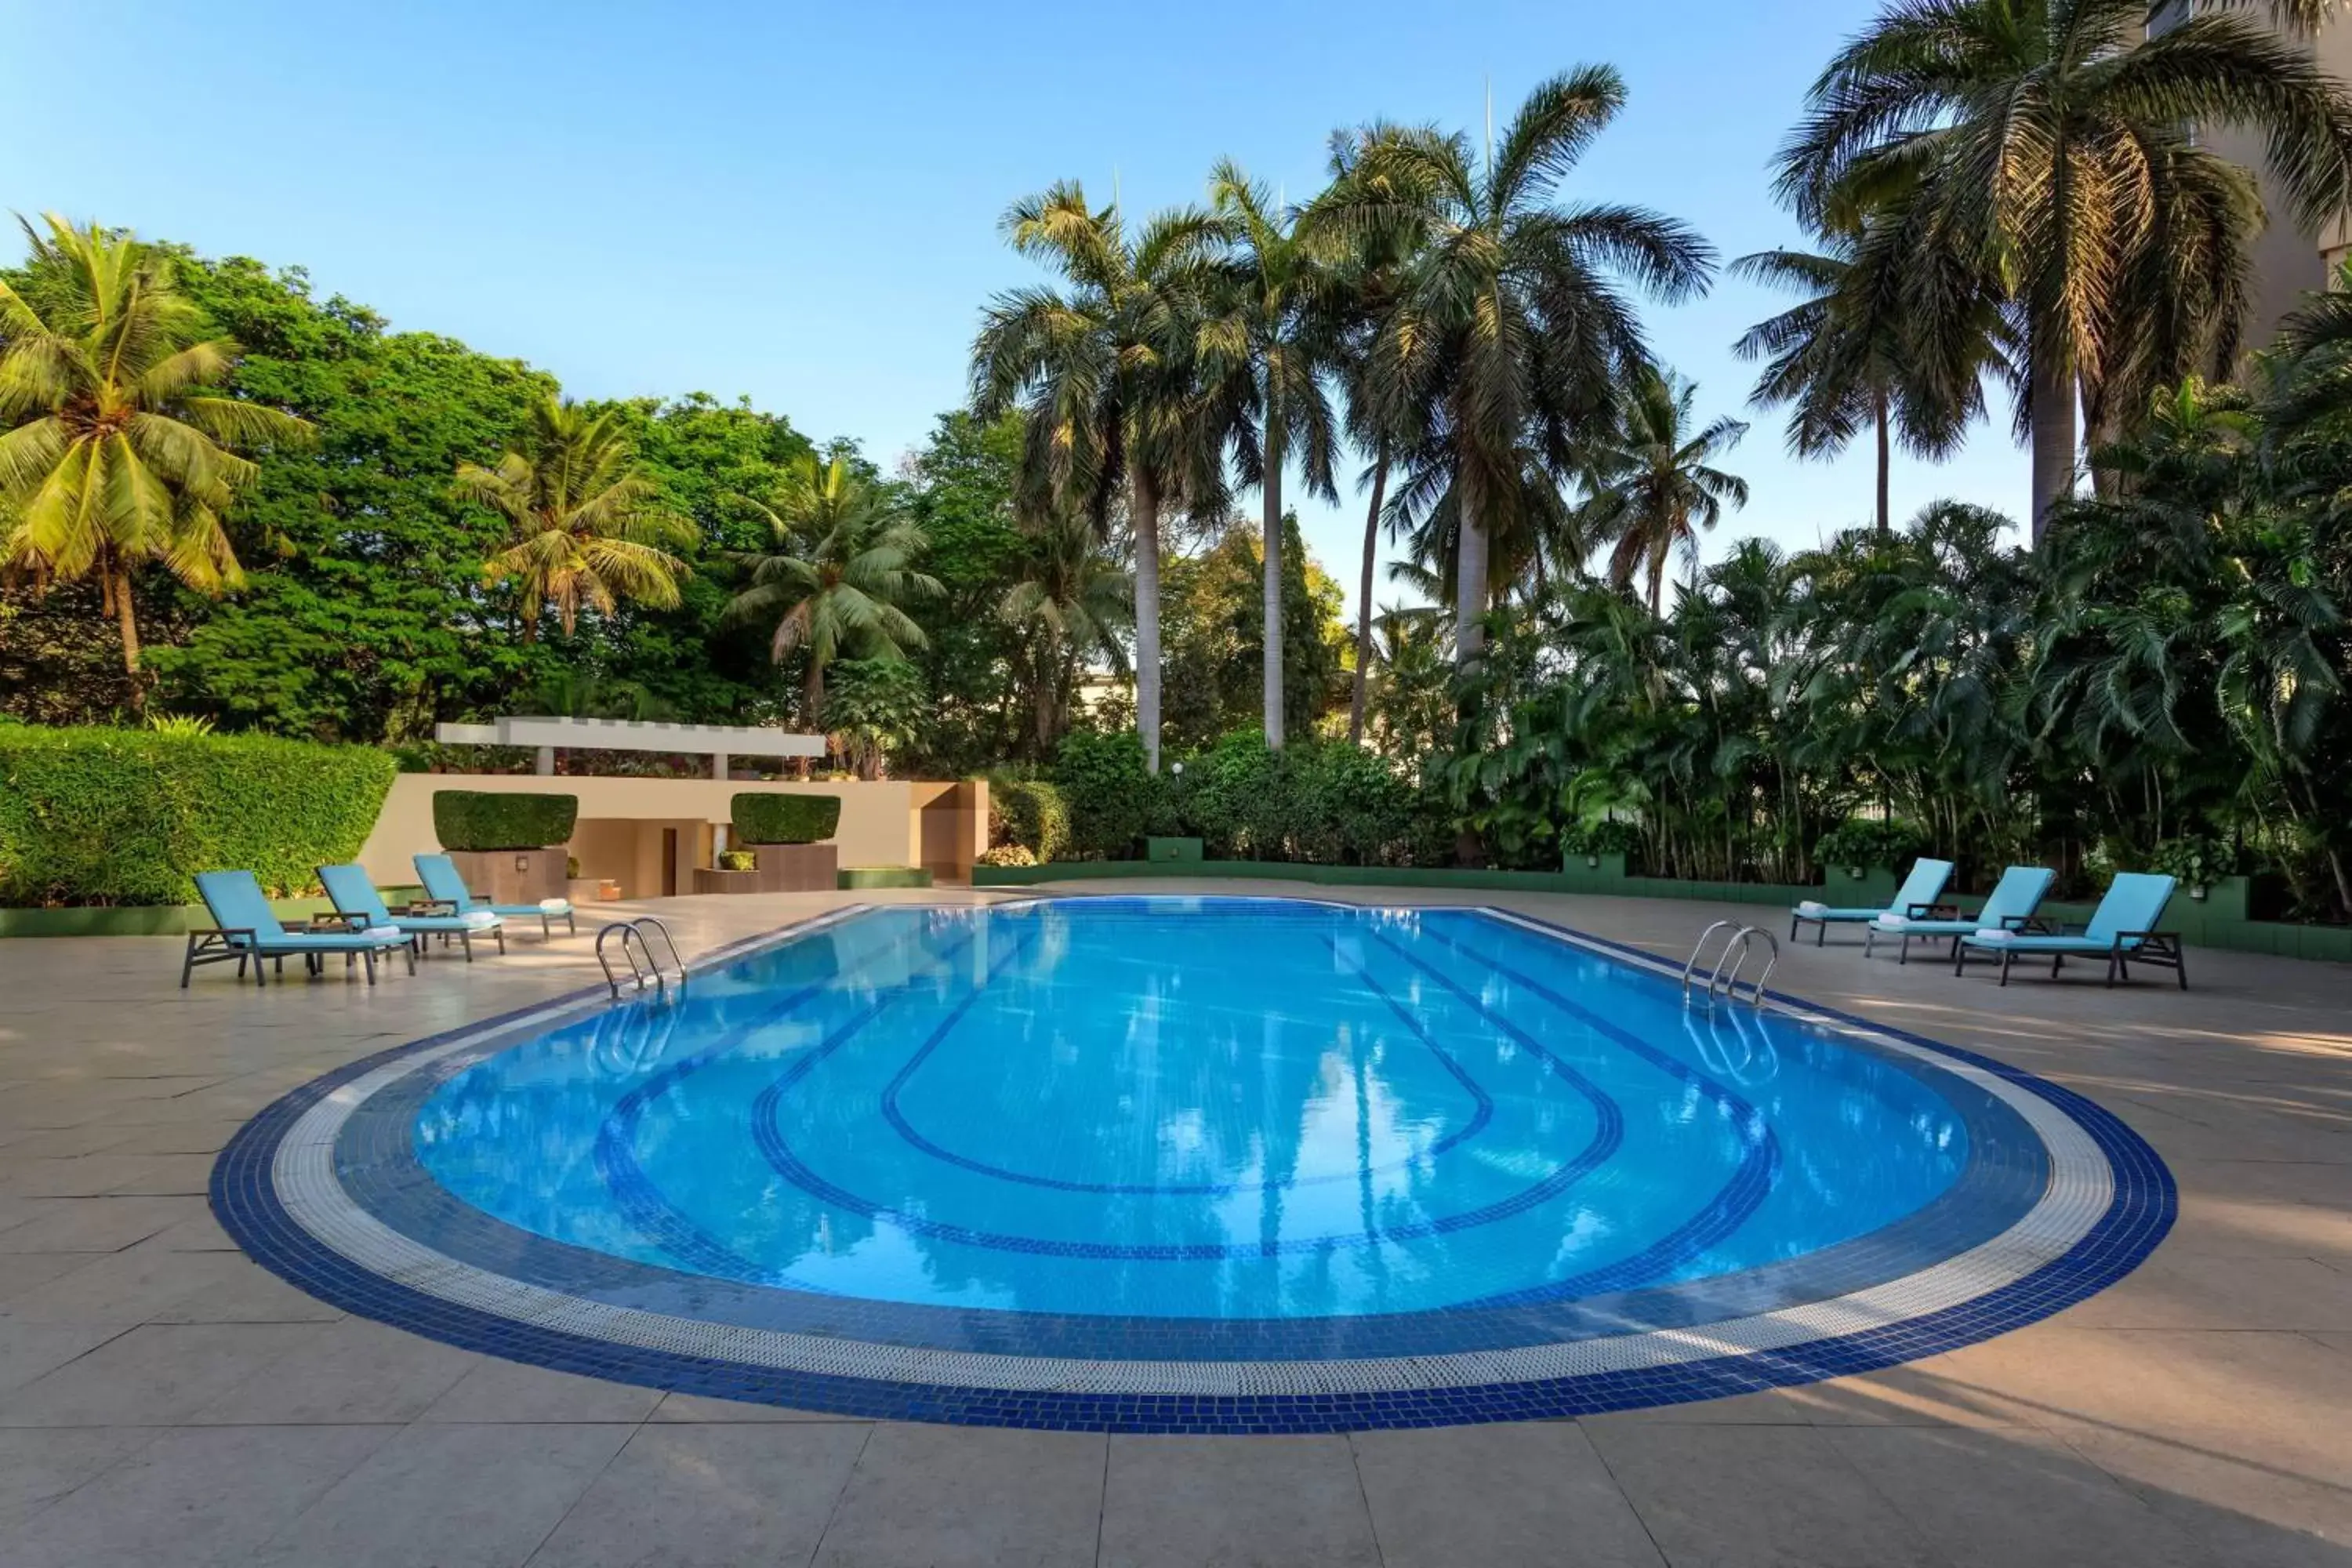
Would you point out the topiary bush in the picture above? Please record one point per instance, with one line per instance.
(468, 819)
(1029, 813)
(765, 818)
(129, 816)
(1868, 841)
(1108, 787)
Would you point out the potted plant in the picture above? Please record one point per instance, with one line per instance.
(508, 844)
(2195, 861)
(785, 835)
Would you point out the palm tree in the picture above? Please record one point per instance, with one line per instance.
(115, 452)
(842, 567)
(1075, 600)
(1268, 353)
(1657, 485)
(1103, 370)
(586, 525)
(1511, 322)
(2047, 144)
(1847, 358)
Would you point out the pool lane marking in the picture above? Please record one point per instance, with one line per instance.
(642, 1202)
(768, 1133)
(1751, 1181)
(1480, 1116)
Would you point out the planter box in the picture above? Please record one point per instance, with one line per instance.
(512, 876)
(708, 880)
(885, 877)
(797, 867)
(588, 890)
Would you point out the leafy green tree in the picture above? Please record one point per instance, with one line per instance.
(1657, 483)
(117, 450)
(876, 707)
(2046, 145)
(961, 488)
(1103, 370)
(1512, 323)
(837, 582)
(1070, 601)
(586, 526)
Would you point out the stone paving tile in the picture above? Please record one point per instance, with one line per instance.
(968, 1497)
(1170, 1501)
(464, 1496)
(2014, 1499)
(1731, 1496)
(190, 1498)
(2193, 1290)
(26, 1271)
(2250, 1511)
(710, 1496)
(700, 1407)
(93, 1225)
(36, 1467)
(32, 1351)
(154, 1376)
(1498, 1497)
(354, 1370)
(496, 1390)
(128, 1287)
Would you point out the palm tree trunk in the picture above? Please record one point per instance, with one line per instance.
(1273, 520)
(2054, 431)
(1658, 584)
(126, 620)
(1364, 596)
(1147, 615)
(1886, 517)
(813, 701)
(1469, 575)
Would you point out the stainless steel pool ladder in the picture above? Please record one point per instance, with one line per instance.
(1734, 952)
(635, 939)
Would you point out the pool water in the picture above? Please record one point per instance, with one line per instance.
(1220, 1109)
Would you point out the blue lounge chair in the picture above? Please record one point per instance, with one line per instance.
(245, 927)
(2122, 930)
(356, 899)
(2010, 907)
(442, 885)
(1917, 898)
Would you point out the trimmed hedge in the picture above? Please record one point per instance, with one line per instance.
(760, 818)
(1106, 784)
(129, 816)
(1030, 813)
(486, 819)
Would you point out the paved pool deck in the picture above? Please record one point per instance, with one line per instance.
(163, 1400)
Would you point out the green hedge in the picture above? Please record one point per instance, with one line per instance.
(1030, 813)
(489, 819)
(1108, 790)
(129, 816)
(785, 818)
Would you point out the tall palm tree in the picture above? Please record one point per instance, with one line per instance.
(1269, 351)
(1103, 368)
(116, 451)
(1847, 358)
(842, 567)
(2047, 141)
(585, 525)
(1074, 599)
(1658, 486)
(1512, 323)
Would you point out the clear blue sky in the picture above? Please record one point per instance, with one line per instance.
(800, 201)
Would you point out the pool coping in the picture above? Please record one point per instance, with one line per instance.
(254, 1176)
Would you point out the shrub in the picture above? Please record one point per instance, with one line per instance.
(1108, 790)
(738, 860)
(483, 819)
(1007, 855)
(2194, 860)
(1607, 837)
(1349, 807)
(128, 816)
(763, 818)
(1869, 841)
(1029, 813)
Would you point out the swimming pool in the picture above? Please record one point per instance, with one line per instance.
(1209, 1165)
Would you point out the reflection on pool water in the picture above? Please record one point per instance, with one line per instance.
(1221, 1109)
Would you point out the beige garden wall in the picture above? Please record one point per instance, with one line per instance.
(893, 821)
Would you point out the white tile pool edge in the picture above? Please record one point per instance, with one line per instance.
(2082, 1187)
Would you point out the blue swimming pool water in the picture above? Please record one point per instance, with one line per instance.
(1205, 1109)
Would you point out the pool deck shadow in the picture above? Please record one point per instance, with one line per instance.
(163, 1400)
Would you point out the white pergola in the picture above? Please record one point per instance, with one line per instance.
(720, 742)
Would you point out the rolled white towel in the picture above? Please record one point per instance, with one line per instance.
(1889, 921)
(1811, 906)
(388, 934)
(1987, 933)
(481, 919)
(555, 906)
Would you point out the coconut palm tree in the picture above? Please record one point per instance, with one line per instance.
(1269, 351)
(842, 567)
(2047, 141)
(585, 525)
(1657, 485)
(1512, 321)
(116, 449)
(1847, 358)
(1102, 366)
(1075, 600)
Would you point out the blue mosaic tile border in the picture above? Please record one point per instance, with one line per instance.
(2141, 1210)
